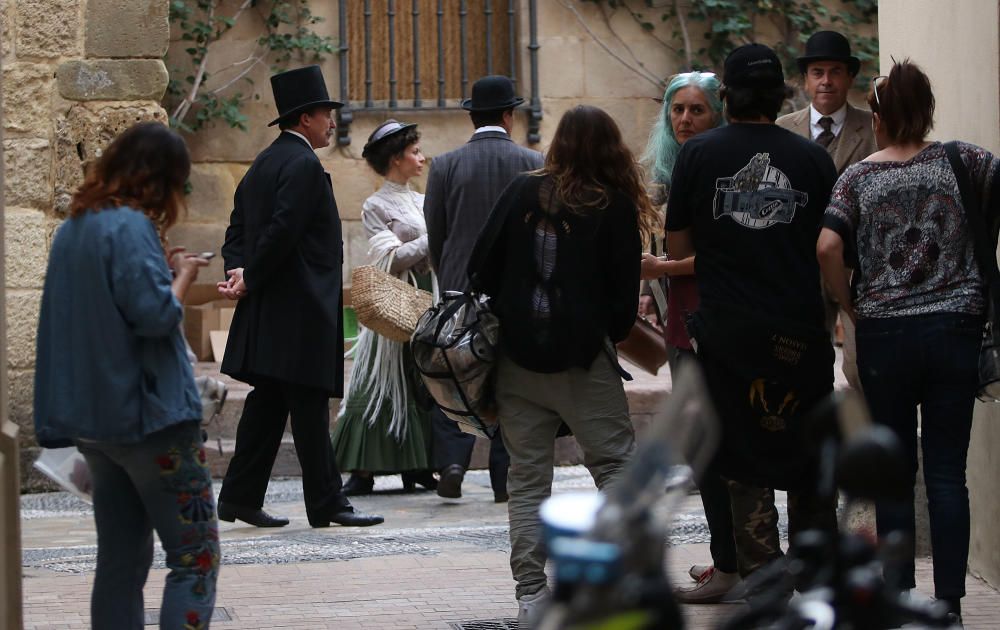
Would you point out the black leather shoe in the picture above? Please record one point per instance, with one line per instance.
(254, 516)
(358, 485)
(450, 484)
(424, 478)
(347, 518)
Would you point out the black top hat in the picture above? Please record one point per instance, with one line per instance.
(829, 46)
(753, 65)
(386, 130)
(491, 93)
(299, 89)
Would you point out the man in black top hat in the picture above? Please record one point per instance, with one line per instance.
(462, 187)
(828, 71)
(748, 199)
(283, 256)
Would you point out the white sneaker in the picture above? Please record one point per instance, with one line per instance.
(698, 570)
(713, 587)
(530, 608)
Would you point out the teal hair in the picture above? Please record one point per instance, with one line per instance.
(662, 149)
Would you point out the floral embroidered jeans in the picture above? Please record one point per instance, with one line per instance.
(160, 483)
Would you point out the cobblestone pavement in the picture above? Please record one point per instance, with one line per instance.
(434, 564)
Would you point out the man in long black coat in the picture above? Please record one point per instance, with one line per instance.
(283, 255)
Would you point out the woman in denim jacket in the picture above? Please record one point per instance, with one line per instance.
(113, 378)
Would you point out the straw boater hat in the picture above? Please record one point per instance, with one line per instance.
(386, 130)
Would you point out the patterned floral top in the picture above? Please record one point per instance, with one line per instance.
(907, 224)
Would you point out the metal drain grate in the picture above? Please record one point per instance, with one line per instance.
(485, 624)
(151, 617)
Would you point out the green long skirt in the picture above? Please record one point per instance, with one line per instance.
(361, 445)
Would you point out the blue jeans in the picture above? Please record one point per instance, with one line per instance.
(930, 361)
(160, 483)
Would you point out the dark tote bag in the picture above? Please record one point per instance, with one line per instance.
(765, 376)
(984, 241)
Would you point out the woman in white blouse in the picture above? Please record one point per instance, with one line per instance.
(384, 421)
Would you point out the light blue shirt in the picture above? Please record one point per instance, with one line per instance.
(111, 363)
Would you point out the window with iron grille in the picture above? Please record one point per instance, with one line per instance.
(405, 55)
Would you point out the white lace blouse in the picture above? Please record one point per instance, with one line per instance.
(393, 218)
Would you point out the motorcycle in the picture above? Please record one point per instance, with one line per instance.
(608, 551)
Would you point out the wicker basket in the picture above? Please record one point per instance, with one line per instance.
(385, 304)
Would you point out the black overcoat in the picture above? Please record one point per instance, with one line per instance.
(285, 232)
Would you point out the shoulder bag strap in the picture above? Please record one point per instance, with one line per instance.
(985, 254)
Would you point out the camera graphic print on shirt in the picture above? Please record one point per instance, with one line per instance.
(757, 196)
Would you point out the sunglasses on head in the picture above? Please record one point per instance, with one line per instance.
(877, 82)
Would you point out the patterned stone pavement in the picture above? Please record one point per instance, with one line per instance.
(434, 564)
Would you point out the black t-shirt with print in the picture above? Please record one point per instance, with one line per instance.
(753, 196)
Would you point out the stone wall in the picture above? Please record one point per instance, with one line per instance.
(75, 74)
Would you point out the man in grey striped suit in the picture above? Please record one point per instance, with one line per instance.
(461, 189)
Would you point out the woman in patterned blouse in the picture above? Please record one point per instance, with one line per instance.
(918, 300)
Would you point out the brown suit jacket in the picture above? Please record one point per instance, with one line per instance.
(854, 143)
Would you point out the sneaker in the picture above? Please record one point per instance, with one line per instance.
(530, 608)
(713, 587)
(698, 570)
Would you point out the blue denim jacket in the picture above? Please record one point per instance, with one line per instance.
(111, 363)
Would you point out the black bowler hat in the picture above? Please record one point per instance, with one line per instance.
(299, 89)
(491, 93)
(752, 65)
(829, 46)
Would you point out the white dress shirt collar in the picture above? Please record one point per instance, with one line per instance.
(491, 128)
(296, 133)
(838, 117)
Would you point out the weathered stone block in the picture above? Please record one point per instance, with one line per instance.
(220, 143)
(21, 392)
(113, 80)
(6, 15)
(27, 95)
(607, 77)
(81, 136)
(27, 172)
(26, 234)
(202, 237)
(22, 326)
(49, 28)
(561, 70)
(355, 248)
(212, 188)
(127, 28)
(353, 182)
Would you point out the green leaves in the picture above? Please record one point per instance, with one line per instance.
(197, 99)
(726, 24)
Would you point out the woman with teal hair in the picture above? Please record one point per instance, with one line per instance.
(691, 106)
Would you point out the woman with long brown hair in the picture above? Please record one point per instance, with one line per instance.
(113, 378)
(560, 259)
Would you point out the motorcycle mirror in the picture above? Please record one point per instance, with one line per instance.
(684, 430)
(871, 465)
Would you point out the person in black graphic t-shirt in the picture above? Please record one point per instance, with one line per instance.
(749, 198)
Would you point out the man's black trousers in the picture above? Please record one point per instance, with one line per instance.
(258, 438)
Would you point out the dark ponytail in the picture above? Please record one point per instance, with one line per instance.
(904, 103)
